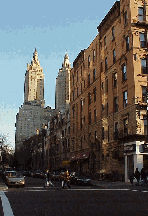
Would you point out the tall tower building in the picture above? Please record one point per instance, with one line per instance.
(32, 115)
(34, 81)
(62, 93)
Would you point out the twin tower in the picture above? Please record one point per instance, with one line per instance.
(33, 115)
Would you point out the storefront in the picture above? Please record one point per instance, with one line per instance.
(80, 162)
(136, 156)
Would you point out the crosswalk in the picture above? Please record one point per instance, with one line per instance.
(39, 189)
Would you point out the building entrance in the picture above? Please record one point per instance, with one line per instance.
(130, 165)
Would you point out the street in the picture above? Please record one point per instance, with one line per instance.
(34, 199)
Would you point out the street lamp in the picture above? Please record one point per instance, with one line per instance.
(146, 75)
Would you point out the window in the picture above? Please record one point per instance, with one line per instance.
(73, 79)
(106, 86)
(125, 18)
(102, 85)
(124, 74)
(81, 142)
(73, 128)
(105, 42)
(73, 111)
(145, 124)
(102, 107)
(95, 94)
(95, 136)
(89, 98)
(113, 33)
(88, 61)
(89, 117)
(88, 79)
(68, 143)
(73, 95)
(116, 130)
(144, 94)
(102, 133)
(81, 123)
(77, 76)
(114, 56)
(101, 45)
(77, 91)
(115, 79)
(84, 101)
(124, 99)
(95, 115)
(84, 83)
(94, 55)
(144, 67)
(142, 40)
(81, 88)
(101, 66)
(81, 70)
(81, 105)
(107, 109)
(108, 133)
(127, 44)
(141, 14)
(115, 104)
(106, 63)
(125, 122)
(94, 74)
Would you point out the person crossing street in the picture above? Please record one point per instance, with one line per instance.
(48, 180)
(66, 179)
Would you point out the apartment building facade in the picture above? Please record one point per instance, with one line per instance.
(59, 141)
(108, 114)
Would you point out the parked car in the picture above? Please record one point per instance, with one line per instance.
(14, 178)
(55, 176)
(77, 179)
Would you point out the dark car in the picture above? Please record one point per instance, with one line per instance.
(77, 179)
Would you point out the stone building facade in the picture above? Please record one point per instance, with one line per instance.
(62, 93)
(108, 104)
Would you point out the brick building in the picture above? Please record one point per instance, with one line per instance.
(108, 103)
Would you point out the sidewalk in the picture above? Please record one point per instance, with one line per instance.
(118, 185)
(3, 186)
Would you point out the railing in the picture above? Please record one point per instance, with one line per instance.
(140, 100)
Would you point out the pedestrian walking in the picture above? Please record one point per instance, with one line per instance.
(66, 179)
(137, 176)
(143, 177)
(131, 178)
(48, 179)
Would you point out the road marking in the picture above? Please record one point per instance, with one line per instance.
(6, 205)
(144, 191)
(80, 189)
(134, 190)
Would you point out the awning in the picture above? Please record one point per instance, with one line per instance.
(73, 158)
(79, 156)
(84, 155)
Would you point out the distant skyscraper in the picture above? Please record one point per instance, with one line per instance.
(32, 115)
(34, 81)
(62, 94)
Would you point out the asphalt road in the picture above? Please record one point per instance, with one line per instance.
(36, 200)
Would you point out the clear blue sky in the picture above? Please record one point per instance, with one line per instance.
(52, 27)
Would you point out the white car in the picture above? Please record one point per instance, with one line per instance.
(14, 178)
